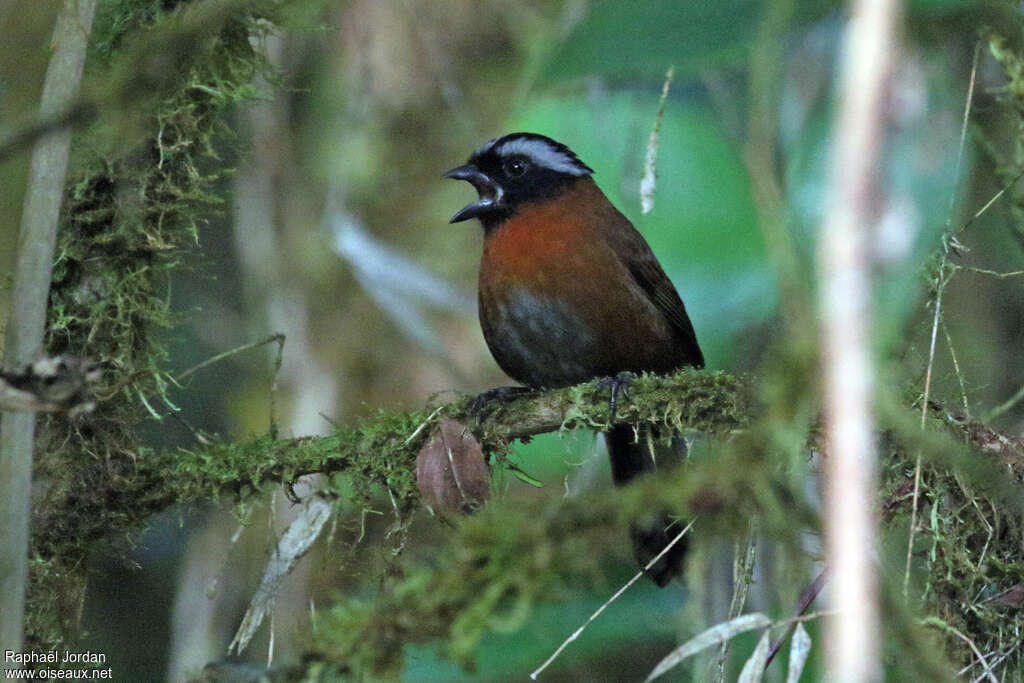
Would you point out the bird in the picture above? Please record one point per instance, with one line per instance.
(569, 291)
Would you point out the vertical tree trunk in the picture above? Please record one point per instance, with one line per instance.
(25, 326)
(852, 646)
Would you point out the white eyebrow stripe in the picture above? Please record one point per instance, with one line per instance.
(543, 154)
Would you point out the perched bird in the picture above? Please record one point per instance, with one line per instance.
(570, 291)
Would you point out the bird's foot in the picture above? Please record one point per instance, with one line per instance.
(478, 403)
(618, 384)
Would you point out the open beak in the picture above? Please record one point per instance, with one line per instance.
(489, 191)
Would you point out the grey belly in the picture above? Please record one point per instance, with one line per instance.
(539, 341)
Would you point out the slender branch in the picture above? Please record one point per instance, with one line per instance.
(940, 288)
(24, 336)
(636, 577)
(76, 115)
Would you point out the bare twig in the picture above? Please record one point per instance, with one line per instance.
(924, 416)
(944, 278)
(987, 672)
(963, 130)
(609, 601)
(992, 273)
(980, 212)
(744, 559)
(294, 543)
(956, 369)
(272, 339)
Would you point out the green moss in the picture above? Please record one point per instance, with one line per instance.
(489, 577)
(968, 542)
(142, 183)
(53, 607)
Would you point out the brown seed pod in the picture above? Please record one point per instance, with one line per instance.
(451, 470)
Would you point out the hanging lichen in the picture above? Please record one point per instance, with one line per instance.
(160, 82)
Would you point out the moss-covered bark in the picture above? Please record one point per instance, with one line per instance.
(159, 84)
(377, 455)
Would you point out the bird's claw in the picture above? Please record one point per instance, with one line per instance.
(618, 383)
(479, 402)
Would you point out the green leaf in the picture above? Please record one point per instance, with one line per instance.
(798, 651)
(524, 477)
(753, 670)
(618, 38)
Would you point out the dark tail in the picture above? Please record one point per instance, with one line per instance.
(633, 455)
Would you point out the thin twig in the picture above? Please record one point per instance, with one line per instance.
(1003, 407)
(609, 601)
(956, 369)
(430, 418)
(279, 338)
(978, 214)
(742, 575)
(963, 130)
(992, 273)
(999, 660)
(924, 416)
(943, 280)
(974, 648)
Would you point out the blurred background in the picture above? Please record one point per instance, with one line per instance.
(334, 231)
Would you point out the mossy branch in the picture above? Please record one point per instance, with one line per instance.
(377, 454)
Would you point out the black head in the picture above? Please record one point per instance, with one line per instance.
(512, 170)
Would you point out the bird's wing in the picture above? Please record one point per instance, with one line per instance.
(635, 254)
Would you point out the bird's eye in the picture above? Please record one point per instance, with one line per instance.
(515, 167)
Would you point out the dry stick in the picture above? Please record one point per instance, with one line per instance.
(175, 414)
(924, 417)
(602, 608)
(77, 114)
(25, 327)
(852, 640)
(278, 338)
(986, 207)
(999, 660)
(987, 672)
(743, 574)
(943, 281)
(963, 129)
(993, 273)
(956, 369)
